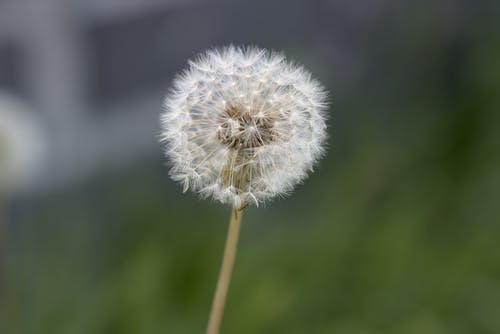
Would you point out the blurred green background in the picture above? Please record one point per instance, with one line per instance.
(396, 231)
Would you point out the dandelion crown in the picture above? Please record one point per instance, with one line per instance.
(242, 125)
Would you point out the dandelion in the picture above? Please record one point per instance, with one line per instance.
(241, 126)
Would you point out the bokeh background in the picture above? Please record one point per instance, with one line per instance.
(397, 231)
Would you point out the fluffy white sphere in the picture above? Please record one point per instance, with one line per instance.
(242, 125)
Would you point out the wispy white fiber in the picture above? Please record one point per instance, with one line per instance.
(242, 125)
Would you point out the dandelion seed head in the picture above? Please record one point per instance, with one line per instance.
(243, 125)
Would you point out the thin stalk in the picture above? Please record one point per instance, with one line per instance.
(226, 270)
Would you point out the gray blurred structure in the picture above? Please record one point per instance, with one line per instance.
(55, 55)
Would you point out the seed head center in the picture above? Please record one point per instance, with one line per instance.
(244, 128)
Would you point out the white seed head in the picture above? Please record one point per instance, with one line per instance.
(242, 125)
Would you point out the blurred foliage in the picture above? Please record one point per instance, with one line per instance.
(395, 232)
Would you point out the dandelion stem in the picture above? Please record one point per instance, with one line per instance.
(226, 270)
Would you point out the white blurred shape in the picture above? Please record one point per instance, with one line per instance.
(22, 145)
